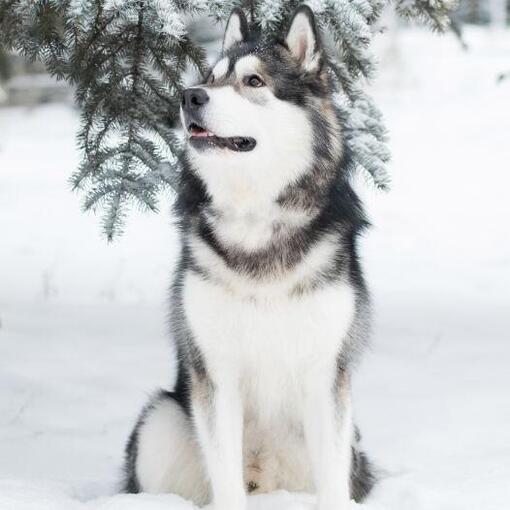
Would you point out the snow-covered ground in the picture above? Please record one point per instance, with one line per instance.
(83, 333)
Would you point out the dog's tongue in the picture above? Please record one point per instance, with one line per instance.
(199, 132)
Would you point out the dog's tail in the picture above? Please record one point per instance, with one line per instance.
(363, 473)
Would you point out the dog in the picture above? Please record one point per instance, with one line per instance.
(269, 307)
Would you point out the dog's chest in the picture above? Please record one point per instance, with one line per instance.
(271, 345)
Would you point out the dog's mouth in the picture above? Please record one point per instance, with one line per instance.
(201, 138)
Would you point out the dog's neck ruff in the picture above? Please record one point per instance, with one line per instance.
(288, 245)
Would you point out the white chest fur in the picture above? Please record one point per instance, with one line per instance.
(269, 345)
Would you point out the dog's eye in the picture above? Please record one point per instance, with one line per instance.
(254, 81)
(211, 78)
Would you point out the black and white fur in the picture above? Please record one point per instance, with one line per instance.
(269, 305)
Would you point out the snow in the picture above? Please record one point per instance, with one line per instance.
(165, 16)
(83, 334)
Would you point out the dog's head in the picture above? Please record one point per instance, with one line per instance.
(264, 113)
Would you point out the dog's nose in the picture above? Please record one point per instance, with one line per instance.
(192, 99)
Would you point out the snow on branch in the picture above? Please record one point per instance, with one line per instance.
(434, 13)
(127, 59)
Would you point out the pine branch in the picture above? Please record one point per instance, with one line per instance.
(434, 13)
(127, 58)
(128, 100)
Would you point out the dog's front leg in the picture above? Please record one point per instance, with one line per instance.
(328, 431)
(217, 411)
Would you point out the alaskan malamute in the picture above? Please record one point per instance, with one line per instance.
(269, 305)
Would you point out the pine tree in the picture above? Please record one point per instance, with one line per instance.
(127, 59)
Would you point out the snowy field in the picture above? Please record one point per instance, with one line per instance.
(83, 334)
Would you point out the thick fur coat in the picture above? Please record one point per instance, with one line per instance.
(269, 307)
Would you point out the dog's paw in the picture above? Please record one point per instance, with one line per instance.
(259, 480)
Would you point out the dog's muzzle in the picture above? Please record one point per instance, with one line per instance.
(192, 104)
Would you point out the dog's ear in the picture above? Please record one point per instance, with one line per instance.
(237, 30)
(303, 39)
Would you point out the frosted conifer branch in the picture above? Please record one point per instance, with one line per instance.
(127, 59)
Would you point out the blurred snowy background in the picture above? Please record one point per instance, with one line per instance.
(83, 336)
